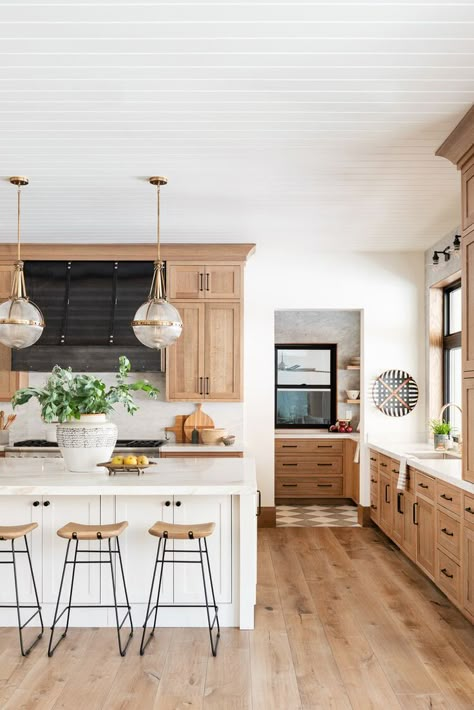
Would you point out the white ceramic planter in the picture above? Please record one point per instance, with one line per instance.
(86, 442)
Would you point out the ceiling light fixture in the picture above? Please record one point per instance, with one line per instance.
(21, 321)
(157, 323)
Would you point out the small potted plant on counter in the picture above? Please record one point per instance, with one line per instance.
(80, 404)
(441, 431)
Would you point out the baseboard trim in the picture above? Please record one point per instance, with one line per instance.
(267, 517)
(363, 515)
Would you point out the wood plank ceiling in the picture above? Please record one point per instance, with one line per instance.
(309, 121)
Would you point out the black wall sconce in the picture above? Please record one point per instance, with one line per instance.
(447, 251)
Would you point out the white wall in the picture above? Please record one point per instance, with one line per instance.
(387, 287)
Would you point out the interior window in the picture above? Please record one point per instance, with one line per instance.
(452, 352)
(305, 386)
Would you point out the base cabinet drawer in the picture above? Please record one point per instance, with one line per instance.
(449, 497)
(448, 533)
(448, 576)
(324, 487)
(317, 465)
(425, 485)
(308, 446)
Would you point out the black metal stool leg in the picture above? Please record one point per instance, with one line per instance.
(149, 612)
(25, 652)
(51, 648)
(123, 650)
(215, 621)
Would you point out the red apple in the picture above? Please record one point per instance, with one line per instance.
(349, 429)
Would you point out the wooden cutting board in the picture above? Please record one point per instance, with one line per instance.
(198, 420)
(178, 429)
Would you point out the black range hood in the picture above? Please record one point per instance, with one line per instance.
(88, 307)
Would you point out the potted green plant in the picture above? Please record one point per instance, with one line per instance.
(441, 431)
(80, 404)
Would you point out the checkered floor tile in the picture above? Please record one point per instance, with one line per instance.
(316, 516)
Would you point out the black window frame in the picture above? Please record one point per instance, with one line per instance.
(332, 347)
(450, 342)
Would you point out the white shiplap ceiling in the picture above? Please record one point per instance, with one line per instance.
(310, 121)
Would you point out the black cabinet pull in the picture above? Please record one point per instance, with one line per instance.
(324, 446)
(469, 510)
(384, 465)
(399, 500)
(394, 470)
(446, 532)
(208, 288)
(446, 573)
(415, 521)
(178, 503)
(374, 507)
(201, 287)
(373, 480)
(259, 506)
(387, 486)
(290, 485)
(324, 485)
(168, 503)
(201, 391)
(206, 380)
(324, 464)
(423, 485)
(290, 464)
(289, 446)
(46, 503)
(36, 503)
(372, 458)
(443, 495)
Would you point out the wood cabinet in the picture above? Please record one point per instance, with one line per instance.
(374, 486)
(386, 502)
(314, 468)
(410, 529)
(468, 570)
(199, 281)
(9, 381)
(205, 363)
(467, 426)
(426, 539)
(467, 196)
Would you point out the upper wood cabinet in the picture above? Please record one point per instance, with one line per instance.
(467, 196)
(200, 281)
(206, 362)
(468, 419)
(9, 381)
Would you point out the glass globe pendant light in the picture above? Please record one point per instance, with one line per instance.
(157, 323)
(21, 321)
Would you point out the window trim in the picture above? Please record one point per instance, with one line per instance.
(450, 341)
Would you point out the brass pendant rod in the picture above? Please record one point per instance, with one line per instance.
(18, 223)
(158, 223)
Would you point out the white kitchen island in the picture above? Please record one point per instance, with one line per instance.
(174, 490)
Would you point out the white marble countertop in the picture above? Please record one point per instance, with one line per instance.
(448, 470)
(189, 476)
(202, 448)
(320, 434)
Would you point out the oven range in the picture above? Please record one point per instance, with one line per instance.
(40, 448)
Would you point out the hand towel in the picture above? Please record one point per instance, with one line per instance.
(402, 474)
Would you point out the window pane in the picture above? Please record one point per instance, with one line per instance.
(455, 387)
(304, 407)
(454, 305)
(304, 367)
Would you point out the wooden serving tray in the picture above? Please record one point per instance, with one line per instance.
(114, 468)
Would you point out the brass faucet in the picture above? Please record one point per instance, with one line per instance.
(443, 409)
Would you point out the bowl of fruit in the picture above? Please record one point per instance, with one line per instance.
(127, 464)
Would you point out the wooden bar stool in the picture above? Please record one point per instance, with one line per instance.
(12, 533)
(168, 531)
(76, 532)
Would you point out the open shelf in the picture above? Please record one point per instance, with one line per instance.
(352, 401)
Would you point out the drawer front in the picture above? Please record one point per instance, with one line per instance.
(424, 485)
(315, 466)
(449, 533)
(374, 505)
(410, 479)
(394, 466)
(374, 476)
(308, 446)
(449, 497)
(448, 576)
(384, 464)
(308, 487)
(468, 506)
(373, 459)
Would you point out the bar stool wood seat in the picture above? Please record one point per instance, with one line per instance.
(75, 533)
(11, 533)
(182, 532)
(170, 531)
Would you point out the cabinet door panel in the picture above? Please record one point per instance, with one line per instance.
(185, 281)
(87, 582)
(185, 359)
(385, 503)
(468, 570)
(425, 548)
(467, 245)
(19, 510)
(188, 587)
(467, 197)
(139, 547)
(398, 515)
(222, 281)
(222, 359)
(409, 526)
(468, 419)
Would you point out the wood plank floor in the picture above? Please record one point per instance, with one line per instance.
(343, 621)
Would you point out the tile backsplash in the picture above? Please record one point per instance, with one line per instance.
(149, 422)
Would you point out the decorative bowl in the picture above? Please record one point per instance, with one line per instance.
(213, 436)
(352, 394)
